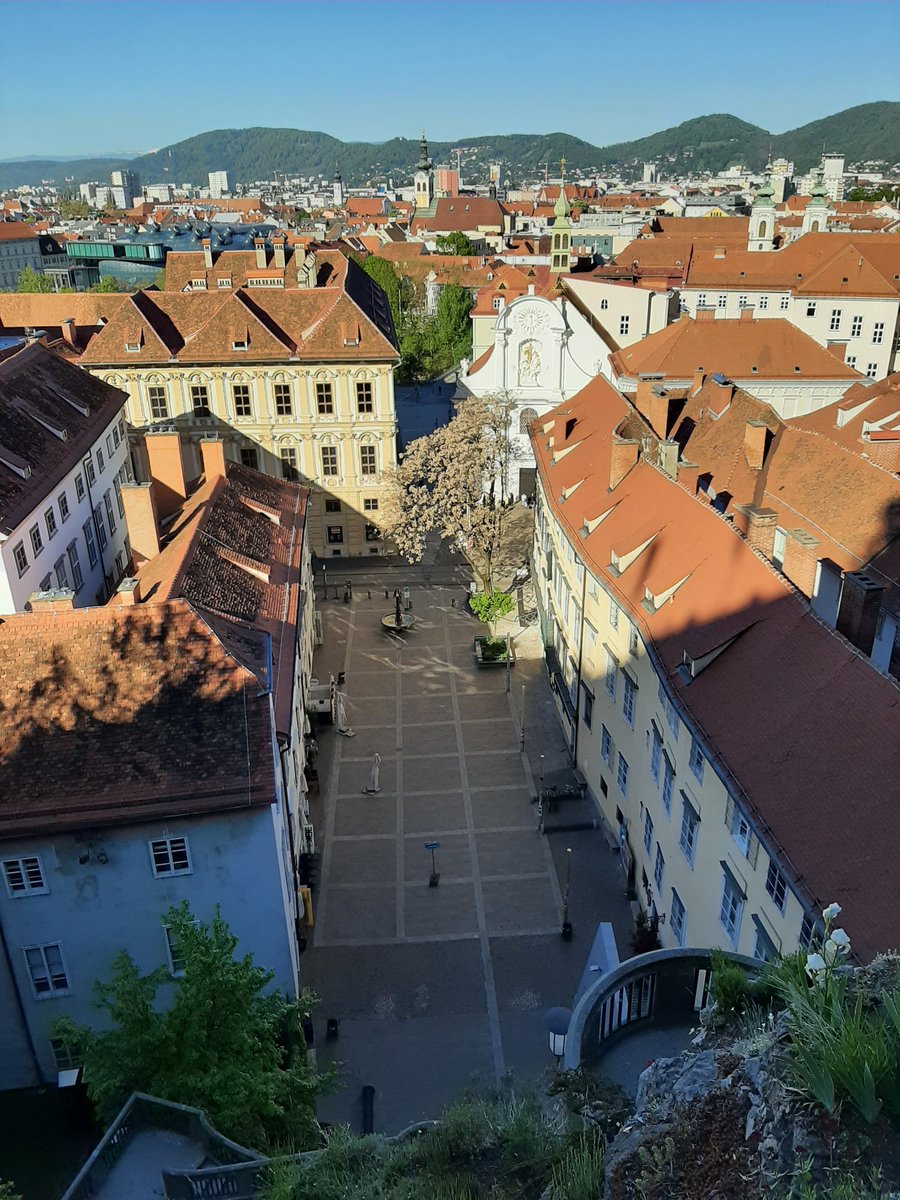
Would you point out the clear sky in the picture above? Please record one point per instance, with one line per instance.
(80, 78)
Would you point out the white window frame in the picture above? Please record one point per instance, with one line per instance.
(856, 327)
(52, 990)
(168, 845)
(629, 699)
(648, 832)
(659, 867)
(687, 838)
(878, 333)
(697, 760)
(606, 746)
(668, 784)
(19, 883)
(622, 772)
(731, 908)
(174, 971)
(678, 918)
(776, 886)
(612, 670)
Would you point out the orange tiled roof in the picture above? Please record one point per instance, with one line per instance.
(461, 213)
(829, 723)
(11, 231)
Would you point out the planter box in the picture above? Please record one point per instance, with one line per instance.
(492, 652)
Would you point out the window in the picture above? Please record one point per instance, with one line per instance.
(633, 641)
(88, 530)
(50, 521)
(688, 839)
(47, 970)
(779, 542)
(587, 706)
(648, 830)
(120, 426)
(24, 876)
(669, 709)
(283, 404)
(731, 908)
(365, 399)
(655, 754)
(776, 886)
(722, 301)
(370, 504)
(109, 445)
(62, 502)
(90, 472)
(878, 333)
(628, 694)
(324, 399)
(701, 299)
(79, 487)
(785, 303)
(622, 774)
(249, 457)
(610, 681)
(763, 303)
(289, 464)
(329, 460)
(170, 856)
(872, 370)
(835, 322)
(526, 416)
(332, 506)
(743, 301)
(696, 761)
(807, 931)
(77, 576)
(367, 460)
(658, 868)
(606, 747)
(241, 395)
(811, 308)
(46, 583)
(613, 613)
(200, 400)
(764, 948)
(176, 959)
(668, 783)
(37, 542)
(373, 533)
(111, 516)
(498, 300)
(101, 462)
(116, 438)
(851, 361)
(740, 830)
(20, 558)
(604, 304)
(624, 323)
(677, 918)
(66, 1057)
(62, 575)
(856, 327)
(335, 535)
(159, 405)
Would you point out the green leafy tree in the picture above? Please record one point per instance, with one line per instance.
(454, 243)
(490, 606)
(7, 1192)
(34, 281)
(452, 331)
(108, 283)
(224, 1044)
(71, 210)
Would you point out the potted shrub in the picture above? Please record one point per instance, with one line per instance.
(490, 649)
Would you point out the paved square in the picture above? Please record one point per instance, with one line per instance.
(445, 811)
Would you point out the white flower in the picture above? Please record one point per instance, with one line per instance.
(830, 950)
(833, 910)
(815, 964)
(841, 940)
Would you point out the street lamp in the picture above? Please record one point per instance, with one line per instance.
(557, 1022)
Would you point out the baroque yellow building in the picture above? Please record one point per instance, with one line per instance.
(292, 364)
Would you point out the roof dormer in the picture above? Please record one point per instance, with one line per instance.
(621, 560)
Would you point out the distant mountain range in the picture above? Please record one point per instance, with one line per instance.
(866, 133)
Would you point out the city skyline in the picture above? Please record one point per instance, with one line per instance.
(657, 42)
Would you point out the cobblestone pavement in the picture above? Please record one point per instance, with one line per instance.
(439, 988)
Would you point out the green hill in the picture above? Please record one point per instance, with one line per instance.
(710, 143)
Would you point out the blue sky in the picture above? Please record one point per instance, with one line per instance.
(129, 76)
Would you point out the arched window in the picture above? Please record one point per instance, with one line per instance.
(526, 416)
(815, 227)
(556, 241)
(763, 229)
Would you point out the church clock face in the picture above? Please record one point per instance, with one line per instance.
(532, 320)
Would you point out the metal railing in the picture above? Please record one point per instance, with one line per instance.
(664, 987)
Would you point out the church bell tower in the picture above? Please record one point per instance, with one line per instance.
(424, 176)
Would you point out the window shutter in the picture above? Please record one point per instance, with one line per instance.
(753, 849)
(729, 812)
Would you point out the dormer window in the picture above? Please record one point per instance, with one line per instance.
(198, 285)
(240, 345)
(223, 283)
(133, 347)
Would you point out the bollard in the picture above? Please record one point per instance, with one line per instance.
(369, 594)
(385, 593)
(368, 1109)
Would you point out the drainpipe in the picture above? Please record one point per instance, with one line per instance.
(584, 575)
(20, 1006)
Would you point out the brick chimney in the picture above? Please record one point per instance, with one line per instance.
(801, 557)
(60, 600)
(643, 398)
(858, 609)
(698, 381)
(141, 521)
(68, 332)
(761, 524)
(622, 457)
(127, 593)
(212, 452)
(668, 458)
(207, 253)
(755, 443)
(687, 474)
(747, 313)
(278, 245)
(720, 396)
(259, 245)
(166, 470)
(883, 448)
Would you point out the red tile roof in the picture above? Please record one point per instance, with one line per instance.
(13, 231)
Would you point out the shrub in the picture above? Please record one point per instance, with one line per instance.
(490, 606)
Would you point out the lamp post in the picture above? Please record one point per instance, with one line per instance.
(566, 931)
(522, 731)
(557, 1023)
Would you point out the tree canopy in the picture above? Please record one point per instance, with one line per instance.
(453, 243)
(108, 283)
(34, 281)
(224, 1044)
(453, 482)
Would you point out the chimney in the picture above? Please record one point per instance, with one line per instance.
(698, 380)
(687, 474)
(761, 524)
(801, 557)
(278, 244)
(141, 521)
(705, 314)
(68, 332)
(668, 458)
(885, 450)
(755, 443)
(212, 452)
(720, 397)
(622, 457)
(207, 253)
(643, 398)
(166, 470)
(858, 609)
(259, 245)
(658, 412)
(747, 312)
(838, 349)
(59, 600)
(127, 593)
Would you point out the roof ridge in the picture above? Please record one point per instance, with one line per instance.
(239, 295)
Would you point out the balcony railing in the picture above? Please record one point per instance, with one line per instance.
(664, 987)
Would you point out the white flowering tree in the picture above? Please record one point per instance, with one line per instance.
(454, 482)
